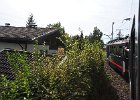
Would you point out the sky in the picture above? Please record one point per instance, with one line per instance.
(73, 14)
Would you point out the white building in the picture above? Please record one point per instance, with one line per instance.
(23, 38)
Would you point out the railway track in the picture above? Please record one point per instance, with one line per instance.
(120, 85)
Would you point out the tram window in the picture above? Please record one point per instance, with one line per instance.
(113, 49)
(110, 49)
(117, 50)
(120, 51)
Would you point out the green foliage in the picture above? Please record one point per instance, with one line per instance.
(19, 88)
(79, 70)
(57, 26)
(96, 35)
(78, 75)
(61, 30)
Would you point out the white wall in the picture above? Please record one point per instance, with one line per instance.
(4, 45)
(52, 51)
(30, 47)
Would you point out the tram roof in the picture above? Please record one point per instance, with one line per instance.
(118, 41)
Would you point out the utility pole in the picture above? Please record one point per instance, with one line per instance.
(119, 34)
(112, 30)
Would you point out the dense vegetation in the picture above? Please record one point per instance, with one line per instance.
(76, 75)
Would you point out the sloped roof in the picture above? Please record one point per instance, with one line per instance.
(23, 34)
(119, 41)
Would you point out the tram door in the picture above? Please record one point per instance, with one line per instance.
(132, 63)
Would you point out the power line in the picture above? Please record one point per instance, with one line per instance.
(122, 25)
(131, 7)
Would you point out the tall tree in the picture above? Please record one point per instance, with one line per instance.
(31, 22)
(57, 26)
(96, 35)
(62, 36)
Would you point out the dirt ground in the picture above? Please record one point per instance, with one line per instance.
(118, 83)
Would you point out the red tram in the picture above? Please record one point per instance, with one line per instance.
(117, 54)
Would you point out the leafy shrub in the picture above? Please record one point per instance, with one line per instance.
(78, 75)
(18, 88)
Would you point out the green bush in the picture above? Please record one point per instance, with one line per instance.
(78, 75)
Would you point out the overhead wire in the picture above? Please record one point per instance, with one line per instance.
(131, 7)
(122, 26)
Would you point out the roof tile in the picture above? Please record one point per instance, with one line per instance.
(11, 32)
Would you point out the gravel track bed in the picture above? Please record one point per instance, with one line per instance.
(118, 83)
